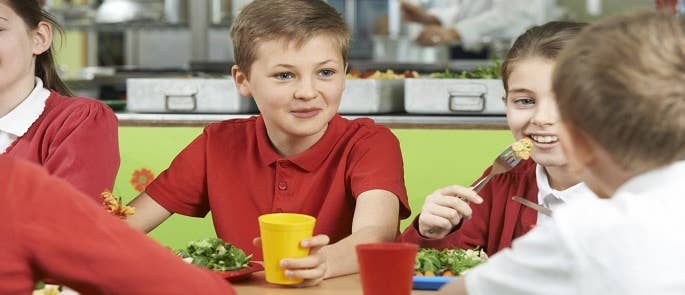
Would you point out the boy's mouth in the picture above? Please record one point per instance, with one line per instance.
(305, 113)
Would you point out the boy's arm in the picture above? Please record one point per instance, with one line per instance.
(375, 220)
(149, 214)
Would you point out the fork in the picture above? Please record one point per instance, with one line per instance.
(504, 162)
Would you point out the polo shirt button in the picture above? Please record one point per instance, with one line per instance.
(282, 185)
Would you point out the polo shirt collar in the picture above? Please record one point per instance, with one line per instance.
(20, 119)
(308, 160)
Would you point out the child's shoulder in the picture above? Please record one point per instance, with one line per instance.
(78, 109)
(365, 127)
(232, 125)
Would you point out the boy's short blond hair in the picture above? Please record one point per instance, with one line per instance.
(291, 20)
(622, 83)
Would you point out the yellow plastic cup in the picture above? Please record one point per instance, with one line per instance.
(281, 235)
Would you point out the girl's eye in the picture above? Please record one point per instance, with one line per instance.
(524, 101)
(284, 76)
(326, 73)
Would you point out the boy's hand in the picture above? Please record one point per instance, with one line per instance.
(444, 209)
(312, 269)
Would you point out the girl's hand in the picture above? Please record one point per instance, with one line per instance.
(444, 209)
(312, 269)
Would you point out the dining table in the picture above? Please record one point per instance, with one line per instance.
(348, 285)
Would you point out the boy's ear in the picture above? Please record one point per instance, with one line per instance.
(42, 38)
(242, 83)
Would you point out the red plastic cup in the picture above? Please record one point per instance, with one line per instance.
(386, 268)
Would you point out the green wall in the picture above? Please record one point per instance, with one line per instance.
(432, 159)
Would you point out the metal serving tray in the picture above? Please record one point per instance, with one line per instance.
(186, 95)
(372, 96)
(454, 96)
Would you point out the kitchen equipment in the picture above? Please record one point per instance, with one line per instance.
(372, 96)
(404, 49)
(454, 96)
(176, 11)
(220, 11)
(181, 95)
(119, 11)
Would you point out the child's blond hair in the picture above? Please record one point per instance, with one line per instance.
(290, 20)
(622, 82)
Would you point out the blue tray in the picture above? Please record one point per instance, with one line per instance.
(430, 283)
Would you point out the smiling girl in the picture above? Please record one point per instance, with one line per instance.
(448, 220)
(73, 138)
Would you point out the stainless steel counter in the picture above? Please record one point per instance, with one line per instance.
(400, 121)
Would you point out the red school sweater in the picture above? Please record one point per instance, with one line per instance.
(75, 139)
(497, 221)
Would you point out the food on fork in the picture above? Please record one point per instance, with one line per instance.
(522, 148)
(448, 262)
(115, 206)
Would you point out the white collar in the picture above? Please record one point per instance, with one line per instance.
(544, 189)
(18, 120)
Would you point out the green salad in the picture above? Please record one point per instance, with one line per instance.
(490, 72)
(449, 262)
(215, 254)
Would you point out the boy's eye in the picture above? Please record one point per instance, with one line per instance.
(326, 73)
(284, 76)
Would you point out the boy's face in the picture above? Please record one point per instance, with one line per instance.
(297, 90)
(532, 111)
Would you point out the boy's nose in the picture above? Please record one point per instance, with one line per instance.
(306, 90)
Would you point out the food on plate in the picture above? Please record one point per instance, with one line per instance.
(43, 289)
(448, 262)
(387, 75)
(489, 72)
(522, 148)
(215, 254)
(115, 206)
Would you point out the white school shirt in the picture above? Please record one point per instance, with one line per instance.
(15, 123)
(630, 244)
(554, 199)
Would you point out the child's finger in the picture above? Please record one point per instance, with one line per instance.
(452, 215)
(455, 204)
(430, 221)
(315, 241)
(311, 261)
(307, 274)
(257, 242)
(461, 192)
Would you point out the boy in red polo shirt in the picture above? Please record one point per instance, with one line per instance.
(298, 156)
(49, 230)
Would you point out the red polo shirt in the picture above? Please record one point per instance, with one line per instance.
(233, 170)
(49, 230)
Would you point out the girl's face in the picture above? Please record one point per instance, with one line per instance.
(18, 47)
(532, 110)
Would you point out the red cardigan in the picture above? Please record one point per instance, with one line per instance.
(495, 222)
(75, 139)
(48, 230)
